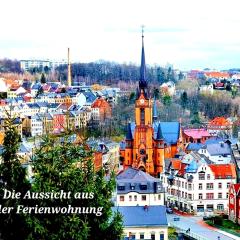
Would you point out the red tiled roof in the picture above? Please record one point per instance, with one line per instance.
(217, 74)
(100, 102)
(219, 121)
(236, 187)
(223, 170)
(176, 164)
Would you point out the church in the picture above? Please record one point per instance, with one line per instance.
(148, 141)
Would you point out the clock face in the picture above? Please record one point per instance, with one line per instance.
(141, 101)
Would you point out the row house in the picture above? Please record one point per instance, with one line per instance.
(33, 126)
(193, 185)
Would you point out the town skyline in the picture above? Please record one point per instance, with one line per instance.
(186, 34)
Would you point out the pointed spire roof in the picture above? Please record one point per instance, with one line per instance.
(129, 132)
(143, 81)
(155, 114)
(159, 133)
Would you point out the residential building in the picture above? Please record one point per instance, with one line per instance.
(33, 126)
(101, 110)
(137, 188)
(195, 186)
(220, 126)
(148, 222)
(199, 135)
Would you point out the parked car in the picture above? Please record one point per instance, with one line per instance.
(169, 210)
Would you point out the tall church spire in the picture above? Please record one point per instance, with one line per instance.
(143, 81)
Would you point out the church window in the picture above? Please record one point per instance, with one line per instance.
(142, 115)
(142, 151)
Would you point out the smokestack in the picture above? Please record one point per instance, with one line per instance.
(69, 70)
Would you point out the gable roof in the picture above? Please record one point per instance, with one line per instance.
(218, 149)
(219, 121)
(223, 170)
(138, 216)
(196, 133)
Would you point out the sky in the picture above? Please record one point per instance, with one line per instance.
(190, 34)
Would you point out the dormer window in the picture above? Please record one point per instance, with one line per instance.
(121, 187)
(143, 186)
(132, 186)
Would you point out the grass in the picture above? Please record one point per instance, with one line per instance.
(227, 226)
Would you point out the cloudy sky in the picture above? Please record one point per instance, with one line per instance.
(190, 34)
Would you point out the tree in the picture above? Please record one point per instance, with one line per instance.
(156, 93)
(43, 78)
(167, 100)
(184, 99)
(69, 167)
(12, 178)
(196, 119)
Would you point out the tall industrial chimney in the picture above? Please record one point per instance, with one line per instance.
(69, 70)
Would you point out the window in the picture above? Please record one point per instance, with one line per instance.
(201, 176)
(189, 186)
(144, 197)
(141, 235)
(209, 196)
(161, 236)
(226, 195)
(190, 196)
(200, 196)
(142, 114)
(208, 176)
(121, 188)
(219, 195)
(200, 186)
(220, 207)
(228, 185)
(159, 196)
(152, 236)
(130, 198)
(219, 185)
(143, 187)
(121, 198)
(209, 186)
(135, 197)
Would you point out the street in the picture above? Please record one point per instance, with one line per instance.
(196, 226)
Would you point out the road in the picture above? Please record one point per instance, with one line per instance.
(194, 223)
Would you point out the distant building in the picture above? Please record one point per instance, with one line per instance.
(199, 135)
(26, 65)
(137, 188)
(220, 126)
(101, 110)
(144, 222)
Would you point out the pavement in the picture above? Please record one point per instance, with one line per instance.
(199, 227)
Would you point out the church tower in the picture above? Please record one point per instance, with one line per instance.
(145, 146)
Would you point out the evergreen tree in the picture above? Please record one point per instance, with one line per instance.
(12, 178)
(184, 99)
(69, 167)
(43, 78)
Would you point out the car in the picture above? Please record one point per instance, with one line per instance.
(169, 210)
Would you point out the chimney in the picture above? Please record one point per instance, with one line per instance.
(69, 70)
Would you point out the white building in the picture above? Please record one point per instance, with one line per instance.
(198, 187)
(137, 188)
(147, 222)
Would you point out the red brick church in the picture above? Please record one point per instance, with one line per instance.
(148, 141)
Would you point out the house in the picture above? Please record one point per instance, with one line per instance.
(234, 203)
(101, 110)
(206, 88)
(59, 122)
(219, 153)
(137, 188)
(33, 126)
(218, 75)
(195, 135)
(168, 88)
(195, 185)
(220, 126)
(144, 222)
